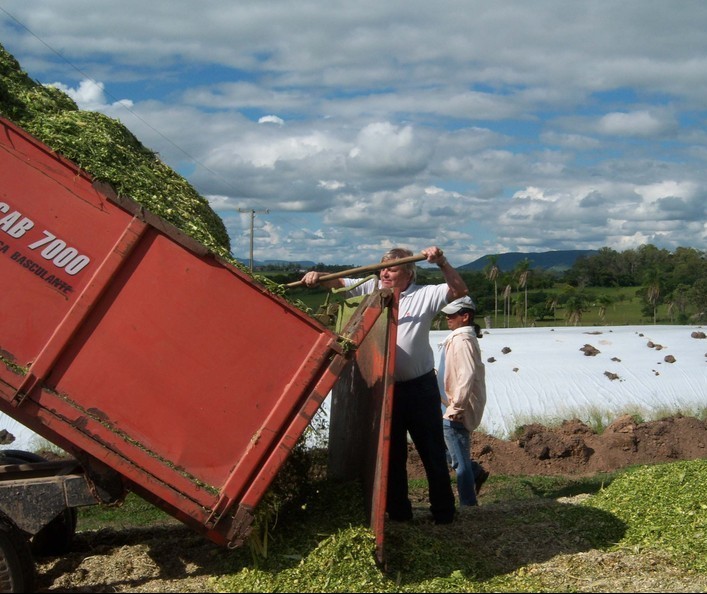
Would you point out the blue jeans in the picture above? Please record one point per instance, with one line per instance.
(458, 440)
(416, 410)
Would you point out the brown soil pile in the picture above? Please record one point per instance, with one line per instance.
(573, 448)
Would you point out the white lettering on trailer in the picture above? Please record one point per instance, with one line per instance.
(13, 227)
(55, 249)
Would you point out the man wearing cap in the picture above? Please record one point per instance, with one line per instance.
(462, 379)
(416, 396)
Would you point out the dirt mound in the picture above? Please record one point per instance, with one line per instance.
(574, 448)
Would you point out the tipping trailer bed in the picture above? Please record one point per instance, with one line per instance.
(162, 368)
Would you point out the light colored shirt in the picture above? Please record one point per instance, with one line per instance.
(417, 307)
(462, 377)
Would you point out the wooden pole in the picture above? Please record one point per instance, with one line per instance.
(360, 269)
(252, 219)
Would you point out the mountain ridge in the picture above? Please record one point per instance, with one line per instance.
(556, 260)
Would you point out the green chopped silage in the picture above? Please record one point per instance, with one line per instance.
(107, 150)
(663, 506)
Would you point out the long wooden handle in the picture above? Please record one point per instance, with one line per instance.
(369, 268)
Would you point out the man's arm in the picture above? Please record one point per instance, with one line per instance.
(457, 286)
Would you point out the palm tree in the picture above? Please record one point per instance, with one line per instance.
(523, 270)
(507, 303)
(652, 288)
(575, 303)
(492, 271)
(604, 301)
(551, 303)
(518, 308)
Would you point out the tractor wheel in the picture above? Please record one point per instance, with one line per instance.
(16, 563)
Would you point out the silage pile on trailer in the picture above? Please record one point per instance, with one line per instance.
(107, 150)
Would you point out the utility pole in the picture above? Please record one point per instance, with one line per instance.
(252, 218)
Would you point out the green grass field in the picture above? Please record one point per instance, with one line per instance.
(624, 310)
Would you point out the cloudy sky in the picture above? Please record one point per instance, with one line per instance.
(347, 128)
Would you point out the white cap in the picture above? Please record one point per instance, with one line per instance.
(461, 303)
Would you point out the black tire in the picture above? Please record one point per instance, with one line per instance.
(57, 536)
(17, 573)
(19, 457)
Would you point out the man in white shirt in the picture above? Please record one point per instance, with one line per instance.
(416, 396)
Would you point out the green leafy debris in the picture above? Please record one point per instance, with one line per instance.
(342, 562)
(106, 149)
(664, 507)
(548, 534)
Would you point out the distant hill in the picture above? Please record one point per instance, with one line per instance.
(557, 261)
(303, 264)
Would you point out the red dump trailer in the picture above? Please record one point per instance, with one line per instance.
(159, 367)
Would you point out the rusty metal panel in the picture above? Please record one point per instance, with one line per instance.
(34, 502)
(361, 409)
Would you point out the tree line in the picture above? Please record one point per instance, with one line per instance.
(675, 281)
(524, 295)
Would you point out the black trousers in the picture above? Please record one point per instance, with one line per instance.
(417, 410)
